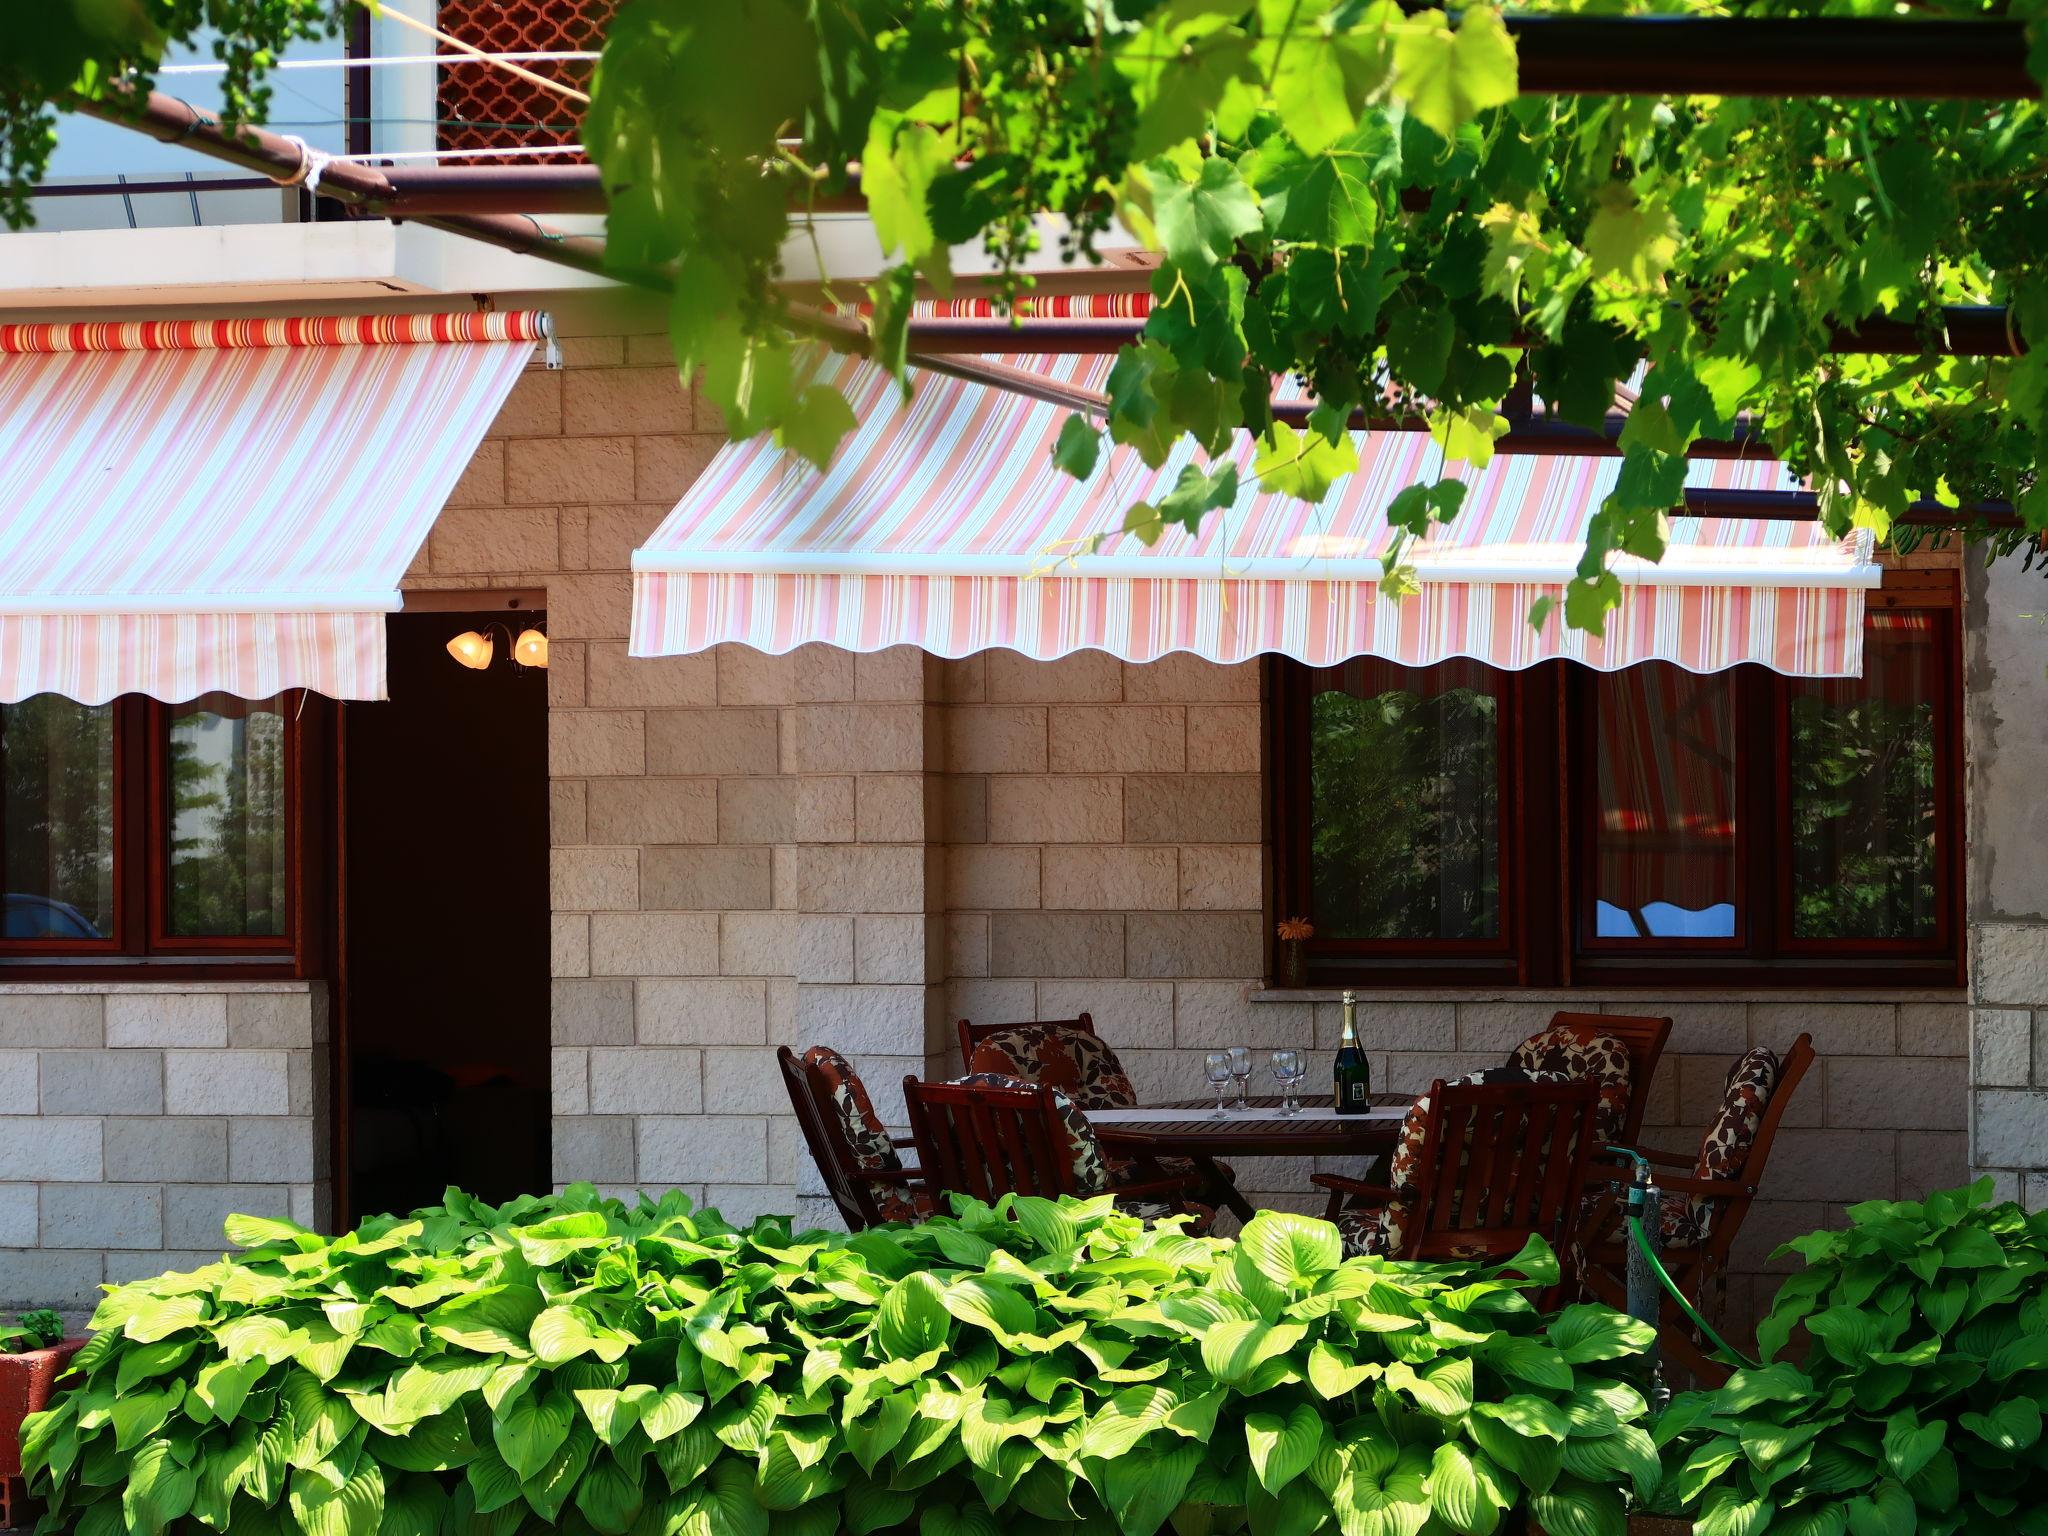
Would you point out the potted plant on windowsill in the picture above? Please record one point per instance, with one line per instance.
(1294, 934)
(33, 1354)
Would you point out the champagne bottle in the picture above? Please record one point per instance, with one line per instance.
(1354, 1072)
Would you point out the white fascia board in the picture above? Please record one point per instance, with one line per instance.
(222, 264)
(203, 264)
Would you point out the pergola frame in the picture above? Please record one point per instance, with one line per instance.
(1785, 57)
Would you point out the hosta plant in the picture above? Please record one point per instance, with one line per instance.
(574, 1363)
(1916, 1406)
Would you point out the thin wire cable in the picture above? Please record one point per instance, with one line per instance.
(393, 13)
(459, 154)
(378, 61)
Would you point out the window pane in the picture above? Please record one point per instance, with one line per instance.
(56, 819)
(1863, 785)
(1404, 773)
(1664, 862)
(227, 799)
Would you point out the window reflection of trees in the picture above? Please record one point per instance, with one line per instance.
(1863, 818)
(227, 819)
(56, 817)
(1405, 812)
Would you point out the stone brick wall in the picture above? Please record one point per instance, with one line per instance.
(134, 1118)
(2006, 686)
(1104, 852)
(739, 840)
(753, 850)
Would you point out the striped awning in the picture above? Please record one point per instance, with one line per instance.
(946, 525)
(228, 505)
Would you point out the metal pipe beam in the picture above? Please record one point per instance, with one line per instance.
(288, 162)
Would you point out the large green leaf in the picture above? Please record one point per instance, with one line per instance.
(159, 1488)
(610, 1495)
(1445, 1388)
(1733, 1512)
(1449, 75)
(223, 1386)
(355, 1508)
(1282, 1447)
(991, 1305)
(1291, 1250)
(1576, 1508)
(913, 1318)
(496, 1320)
(723, 1504)
(1910, 1445)
(1467, 1490)
(1142, 1487)
(529, 1430)
(1587, 1332)
(566, 1331)
(1231, 1351)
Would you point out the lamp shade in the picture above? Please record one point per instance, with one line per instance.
(531, 648)
(471, 649)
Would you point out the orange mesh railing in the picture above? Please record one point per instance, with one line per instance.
(484, 108)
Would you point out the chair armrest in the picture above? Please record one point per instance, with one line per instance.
(1338, 1183)
(1174, 1184)
(1713, 1188)
(902, 1141)
(1665, 1159)
(884, 1175)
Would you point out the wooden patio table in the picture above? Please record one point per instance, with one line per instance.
(1256, 1131)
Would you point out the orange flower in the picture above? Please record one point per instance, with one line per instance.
(1296, 928)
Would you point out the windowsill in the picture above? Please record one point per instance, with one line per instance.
(146, 978)
(1735, 994)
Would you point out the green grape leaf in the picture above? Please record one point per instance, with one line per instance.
(1448, 77)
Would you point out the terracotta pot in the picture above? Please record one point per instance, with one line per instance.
(26, 1382)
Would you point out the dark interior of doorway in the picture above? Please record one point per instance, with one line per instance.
(444, 1038)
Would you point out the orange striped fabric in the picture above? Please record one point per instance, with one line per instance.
(228, 505)
(945, 524)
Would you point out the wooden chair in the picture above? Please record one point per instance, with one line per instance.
(972, 1034)
(1479, 1169)
(867, 1191)
(1643, 1036)
(985, 1141)
(1691, 1265)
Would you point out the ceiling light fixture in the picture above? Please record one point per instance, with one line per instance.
(472, 649)
(531, 648)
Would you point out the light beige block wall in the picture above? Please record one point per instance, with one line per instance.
(134, 1118)
(752, 850)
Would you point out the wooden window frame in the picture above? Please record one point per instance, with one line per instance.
(1547, 816)
(141, 948)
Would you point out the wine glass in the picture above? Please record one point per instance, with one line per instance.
(1216, 1066)
(1288, 1069)
(1241, 1069)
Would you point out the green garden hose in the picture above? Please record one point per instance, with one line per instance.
(1635, 1226)
(1642, 1195)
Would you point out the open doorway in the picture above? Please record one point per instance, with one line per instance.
(444, 1038)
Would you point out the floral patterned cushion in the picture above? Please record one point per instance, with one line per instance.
(1725, 1148)
(1382, 1228)
(1071, 1060)
(873, 1151)
(1576, 1055)
(1084, 1152)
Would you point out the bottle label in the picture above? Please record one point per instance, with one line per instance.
(1356, 1091)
